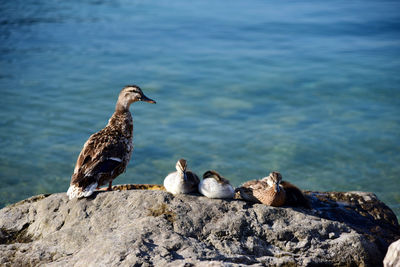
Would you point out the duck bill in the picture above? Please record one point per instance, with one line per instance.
(277, 188)
(146, 99)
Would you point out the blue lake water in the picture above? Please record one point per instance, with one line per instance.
(308, 88)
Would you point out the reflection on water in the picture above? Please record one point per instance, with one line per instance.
(308, 88)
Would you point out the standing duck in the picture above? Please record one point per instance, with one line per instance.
(267, 191)
(215, 186)
(106, 153)
(182, 181)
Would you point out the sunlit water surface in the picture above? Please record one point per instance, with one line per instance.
(308, 88)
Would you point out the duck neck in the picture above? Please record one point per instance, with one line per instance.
(122, 121)
(122, 106)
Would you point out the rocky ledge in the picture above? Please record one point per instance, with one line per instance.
(145, 227)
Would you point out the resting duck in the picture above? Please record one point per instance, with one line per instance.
(182, 181)
(272, 191)
(214, 185)
(266, 191)
(106, 153)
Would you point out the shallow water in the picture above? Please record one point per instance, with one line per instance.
(309, 88)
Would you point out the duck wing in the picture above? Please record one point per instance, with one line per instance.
(102, 155)
(255, 184)
(247, 194)
(192, 179)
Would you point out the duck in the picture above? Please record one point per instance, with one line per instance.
(272, 191)
(214, 185)
(106, 153)
(267, 191)
(182, 181)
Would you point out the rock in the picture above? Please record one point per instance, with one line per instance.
(392, 258)
(143, 227)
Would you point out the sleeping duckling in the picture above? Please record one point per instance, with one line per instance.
(182, 181)
(215, 186)
(267, 191)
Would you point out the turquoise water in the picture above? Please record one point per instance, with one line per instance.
(308, 88)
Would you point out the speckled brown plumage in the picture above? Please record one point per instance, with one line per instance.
(272, 191)
(106, 153)
(96, 162)
(260, 192)
(269, 197)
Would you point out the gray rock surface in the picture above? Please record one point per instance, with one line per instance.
(144, 227)
(392, 258)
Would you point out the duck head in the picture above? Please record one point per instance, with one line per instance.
(181, 167)
(273, 180)
(216, 176)
(211, 174)
(130, 94)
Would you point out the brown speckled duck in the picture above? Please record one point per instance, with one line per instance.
(272, 191)
(106, 153)
(266, 191)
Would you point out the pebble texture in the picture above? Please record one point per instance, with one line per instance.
(144, 227)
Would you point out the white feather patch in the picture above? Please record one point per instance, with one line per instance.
(75, 191)
(212, 189)
(88, 191)
(116, 159)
